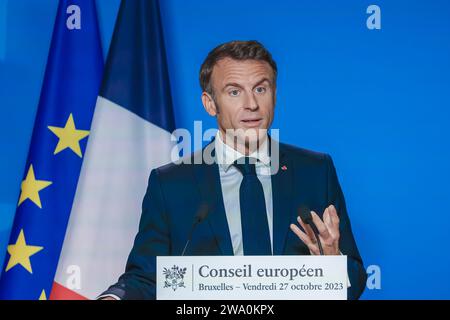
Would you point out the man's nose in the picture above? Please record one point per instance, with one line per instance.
(251, 103)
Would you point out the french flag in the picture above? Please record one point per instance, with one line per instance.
(130, 135)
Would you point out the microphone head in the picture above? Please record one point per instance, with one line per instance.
(305, 214)
(202, 213)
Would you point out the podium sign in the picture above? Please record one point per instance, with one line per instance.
(251, 278)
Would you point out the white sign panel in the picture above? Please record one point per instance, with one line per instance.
(252, 278)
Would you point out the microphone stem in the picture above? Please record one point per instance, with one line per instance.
(316, 235)
(319, 243)
(189, 238)
(185, 247)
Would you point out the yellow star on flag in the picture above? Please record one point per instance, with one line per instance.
(69, 136)
(30, 188)
(43, 296)
(20, 253)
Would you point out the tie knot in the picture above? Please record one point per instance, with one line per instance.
(246, 165)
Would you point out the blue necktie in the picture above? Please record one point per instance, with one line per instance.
(255, 228)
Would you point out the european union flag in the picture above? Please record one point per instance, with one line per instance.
(70, 89)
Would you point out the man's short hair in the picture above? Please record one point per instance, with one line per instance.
(237, 50)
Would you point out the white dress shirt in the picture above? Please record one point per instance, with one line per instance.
(231, 178)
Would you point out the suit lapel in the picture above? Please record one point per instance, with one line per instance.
(282, 186)
(208, 179)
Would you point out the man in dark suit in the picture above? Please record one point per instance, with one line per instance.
(252, 189)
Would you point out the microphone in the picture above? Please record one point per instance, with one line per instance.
(202, 213)
(305, 214)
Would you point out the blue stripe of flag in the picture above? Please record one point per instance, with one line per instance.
(136, 74)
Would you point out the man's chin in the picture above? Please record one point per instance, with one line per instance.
(252, 136)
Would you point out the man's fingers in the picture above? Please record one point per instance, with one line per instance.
(320, 226)
(313, 248)
(303, 236)
(333, 215)
(327, 219)
(332, 224)
(309, 231)
(328, 231)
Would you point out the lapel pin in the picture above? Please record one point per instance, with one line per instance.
(284, 168)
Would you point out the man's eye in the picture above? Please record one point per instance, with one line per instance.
(234, 93)
(260, 89)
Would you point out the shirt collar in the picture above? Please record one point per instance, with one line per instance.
(226, 155)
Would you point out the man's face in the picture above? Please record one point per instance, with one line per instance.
(244, 96)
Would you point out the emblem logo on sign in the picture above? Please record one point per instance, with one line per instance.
(174, 277)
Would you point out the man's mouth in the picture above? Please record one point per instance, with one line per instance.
(251, 123)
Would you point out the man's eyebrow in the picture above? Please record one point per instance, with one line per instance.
(237, 85)
(261, 81)
(232, 84)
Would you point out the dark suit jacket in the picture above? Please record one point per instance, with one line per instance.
(175, 193)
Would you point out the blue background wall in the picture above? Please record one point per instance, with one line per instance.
(377, 100)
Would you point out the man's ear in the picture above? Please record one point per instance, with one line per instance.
(275, 97)
(209, 104)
